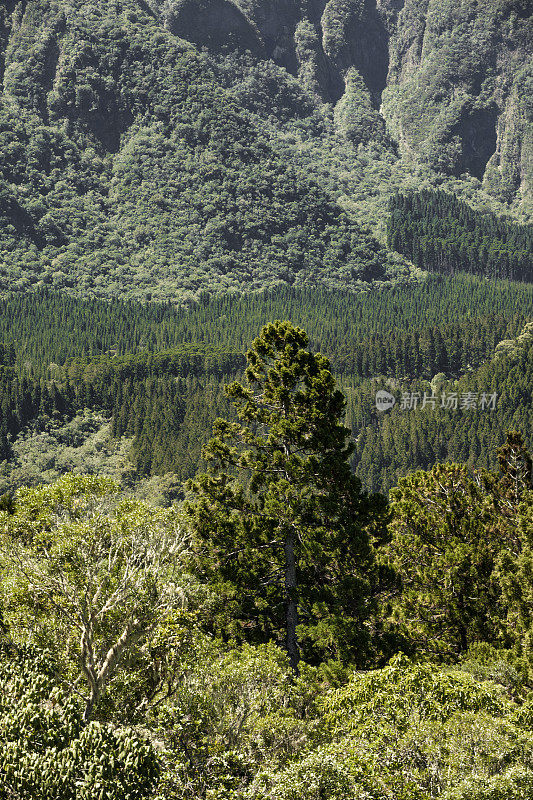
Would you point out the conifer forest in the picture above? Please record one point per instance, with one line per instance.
(266, 400)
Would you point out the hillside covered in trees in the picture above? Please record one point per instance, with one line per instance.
(266, 400)
(133, 390)
(168, 150)
(271, 638)
(128, 168)
(442, 234)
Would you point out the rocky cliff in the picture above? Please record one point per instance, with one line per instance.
(451, 79)
(168, 148)
(128, 166)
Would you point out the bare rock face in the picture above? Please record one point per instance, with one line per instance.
(215, 24)
(452, 97)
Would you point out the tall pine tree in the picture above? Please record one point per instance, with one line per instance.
(287, 528)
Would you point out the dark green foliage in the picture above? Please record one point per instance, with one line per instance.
(393, 443)
(516, 467)
(295, 533)
(158, 371)
(269, 91)
(443, 234)
(516, 561)
(470, 583)
(472, 314)
(449, 596)
(132, 164)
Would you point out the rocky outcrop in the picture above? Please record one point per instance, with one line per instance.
(448, 79)
(452, 98)
(442, 73)
(215, 24)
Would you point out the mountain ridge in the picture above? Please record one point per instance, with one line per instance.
(447, 72)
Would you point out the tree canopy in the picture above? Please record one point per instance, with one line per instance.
(286, 522)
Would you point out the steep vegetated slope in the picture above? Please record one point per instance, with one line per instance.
(451, 80)
(459, 89)
(166, 149)
(127, 168)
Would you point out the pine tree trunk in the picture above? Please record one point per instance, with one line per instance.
(291, 601)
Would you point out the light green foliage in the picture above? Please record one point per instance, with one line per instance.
(412, 732)
(326, 772)
(48, 753)
(234, 723)
(488, 663)
(312, 66)
(232, 713)
(89, 575)
(355, 118)
(83, 445)
(403, 692)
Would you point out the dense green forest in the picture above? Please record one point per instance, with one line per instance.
(127, 168)
(272, 637)
(266, 400)
(133, 390)
(439, 420)
(50, 328)
(141, 157)
(439, 232)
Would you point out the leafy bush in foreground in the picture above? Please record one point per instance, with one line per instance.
(47, 752)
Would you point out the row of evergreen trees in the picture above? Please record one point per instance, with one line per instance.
(440, 233)
(51, 328)
(167, 404)
(166, 400)
(391, 444)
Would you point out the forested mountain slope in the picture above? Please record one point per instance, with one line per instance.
(134, 163)
(452, 80)
(127, 167)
